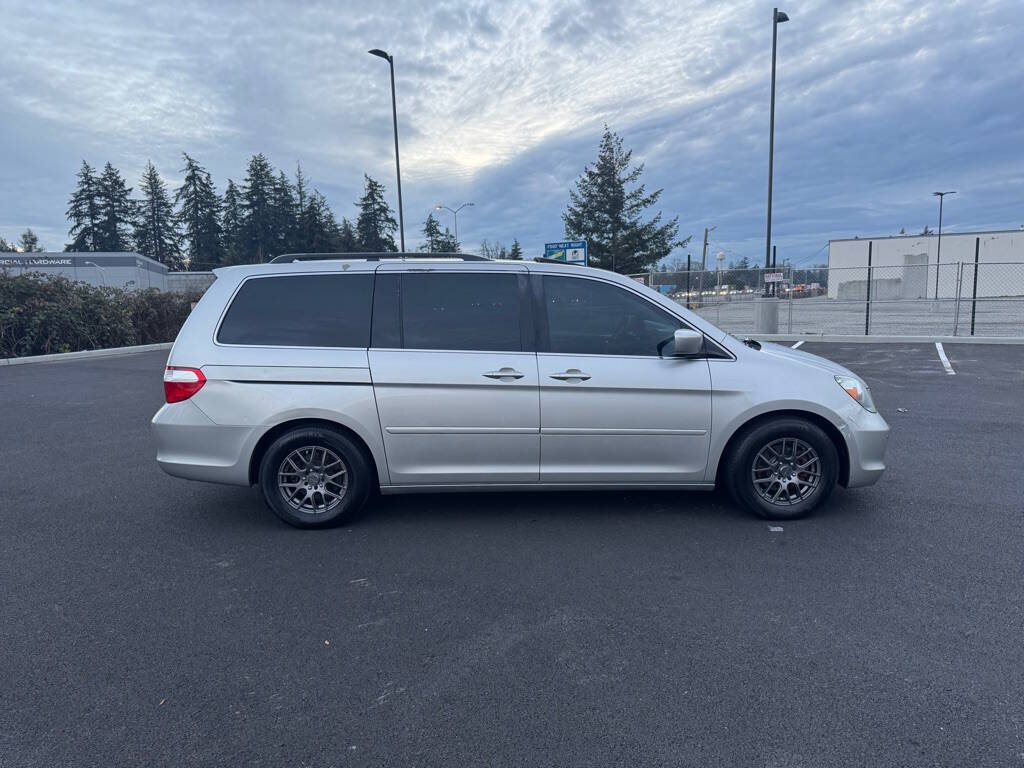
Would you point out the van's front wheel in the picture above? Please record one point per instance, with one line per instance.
(314, 478)
(782, 469)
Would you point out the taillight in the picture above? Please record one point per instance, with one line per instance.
(181, 383)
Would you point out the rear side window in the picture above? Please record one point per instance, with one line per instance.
(300, 311)
(461, 311)
(589, 317)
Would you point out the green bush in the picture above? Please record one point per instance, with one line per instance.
(41, 314)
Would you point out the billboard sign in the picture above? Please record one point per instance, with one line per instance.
(569, 251)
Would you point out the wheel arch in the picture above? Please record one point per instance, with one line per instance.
(268, 437)
(830, 429)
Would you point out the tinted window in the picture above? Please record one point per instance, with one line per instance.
(588, 317)
(387, 331)
(301, 311)
(460, 311)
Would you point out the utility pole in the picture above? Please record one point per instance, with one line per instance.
(938, 249)
(703, 265)
(777, 18)
(704, 253)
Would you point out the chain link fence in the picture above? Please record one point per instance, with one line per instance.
(953, 299)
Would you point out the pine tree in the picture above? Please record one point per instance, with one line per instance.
(30, 242)
(376, 225)
(84, 211)
(606, 212)
(284, 215)
(257, 205)
(233, 224)
(199, 214)
(517, 250)
(117, 211)
(347, 241)
(431, 235)
(320, 232)
(156, 228)
(6, 247)
(301, 188)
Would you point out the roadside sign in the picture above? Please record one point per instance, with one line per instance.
(773, 277)
(569, 251)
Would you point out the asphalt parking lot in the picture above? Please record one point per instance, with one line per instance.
(146, 620)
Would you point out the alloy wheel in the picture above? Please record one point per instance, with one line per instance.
(312, 479)
(786, 471)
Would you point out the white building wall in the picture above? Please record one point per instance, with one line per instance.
(907, 265)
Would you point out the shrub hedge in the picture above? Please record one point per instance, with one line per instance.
(41, 314)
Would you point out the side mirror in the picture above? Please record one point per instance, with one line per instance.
(687, 343)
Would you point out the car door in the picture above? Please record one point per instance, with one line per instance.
(455, 375)
(613, 409)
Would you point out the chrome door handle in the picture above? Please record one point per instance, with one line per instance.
(505, 374)
(573, 374)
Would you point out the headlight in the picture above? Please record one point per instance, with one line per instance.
(858, 390)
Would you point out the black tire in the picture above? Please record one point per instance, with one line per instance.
(287, 454)
(750, 458)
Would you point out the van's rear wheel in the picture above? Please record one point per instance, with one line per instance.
(782, 469)
(314, 477)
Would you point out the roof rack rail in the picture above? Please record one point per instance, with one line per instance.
(288, 258)
(546, 260)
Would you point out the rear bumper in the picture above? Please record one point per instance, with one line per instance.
(866, 439)
(190, 445)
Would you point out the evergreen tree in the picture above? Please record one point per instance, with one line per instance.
(233, 224)
(347, 240)
(376, 225)
(517, 250)
(431, 236)
(30, 242)
(84, 211)
(260, 238)
(6, 247)
(606, 210)
(117, 211)
(301, 189)
(320, 232)
(199, 214)
(156, 228)
(284, 215)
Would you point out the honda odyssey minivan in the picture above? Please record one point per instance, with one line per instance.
(327, 379)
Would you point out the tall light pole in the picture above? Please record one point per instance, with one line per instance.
(777, 18)
(938, 247)
(455, 213)
(394, 114)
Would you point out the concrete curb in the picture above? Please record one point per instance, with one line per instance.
(808, 337)
(63, 357)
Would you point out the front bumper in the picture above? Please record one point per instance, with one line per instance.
(190, 445)
(867, 435)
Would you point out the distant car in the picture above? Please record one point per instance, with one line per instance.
(324, 381)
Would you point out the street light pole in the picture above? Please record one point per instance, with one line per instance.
(778, 17)
(938, 247)
(455, 214)
(394, 115)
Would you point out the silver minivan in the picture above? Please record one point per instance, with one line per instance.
(327, 379)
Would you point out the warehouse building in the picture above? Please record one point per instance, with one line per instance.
(132, 271)
(912, 267)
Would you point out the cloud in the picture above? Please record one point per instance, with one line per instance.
(878, 103)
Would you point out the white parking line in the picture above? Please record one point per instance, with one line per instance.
(944, 359)
(796, 345)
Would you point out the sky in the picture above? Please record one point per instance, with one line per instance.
(878, 104)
